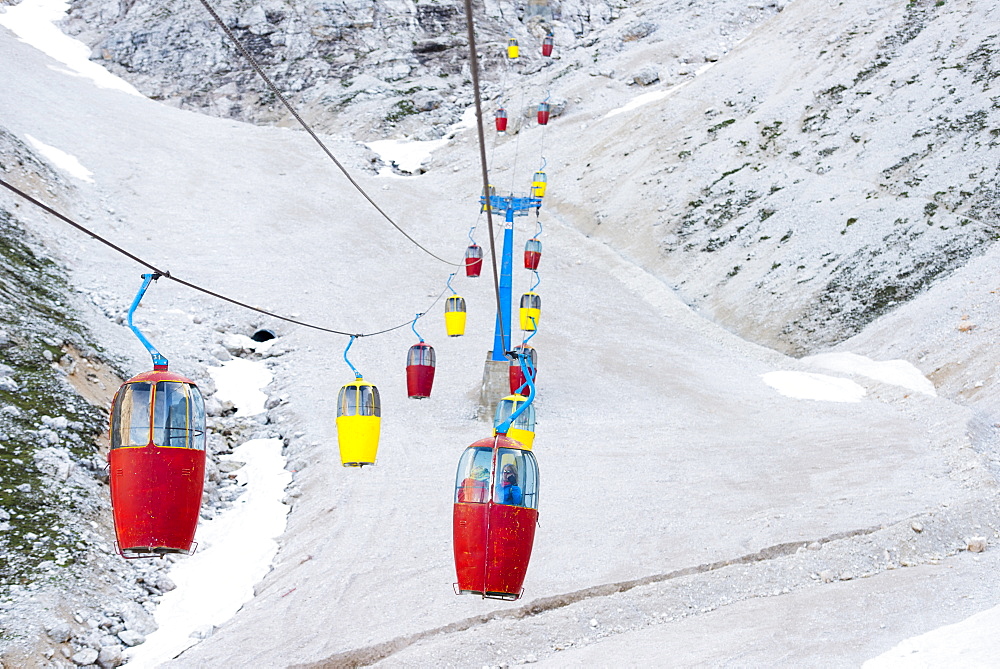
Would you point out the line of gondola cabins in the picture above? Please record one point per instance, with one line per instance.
(158, 441)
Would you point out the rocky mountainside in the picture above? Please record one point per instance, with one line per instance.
(827, 170)
(381, 67)
(65, 595)
(805, 174)
(823, 171)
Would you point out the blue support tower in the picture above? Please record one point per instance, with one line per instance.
(510, 206)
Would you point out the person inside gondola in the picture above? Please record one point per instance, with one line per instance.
(475, 487)
(510, 491)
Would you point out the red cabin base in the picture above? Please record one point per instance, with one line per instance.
(419, 380)
(473, 267)
(543, 117)
(531, 259)
(493, 545)
(156, 498)
(516, 377)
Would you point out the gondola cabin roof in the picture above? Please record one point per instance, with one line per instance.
(157, 375)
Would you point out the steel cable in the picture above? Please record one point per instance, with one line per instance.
(274, 89)
(167, 275)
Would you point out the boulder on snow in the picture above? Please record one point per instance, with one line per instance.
(646, 76)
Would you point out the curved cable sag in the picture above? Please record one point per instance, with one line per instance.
(274, 89)
(354, 369)
(413, 326)
(167, 275)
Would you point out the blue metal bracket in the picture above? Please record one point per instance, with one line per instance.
(504, 427)
(511, 205)
(159, 362)
(413, 326)
(449, 284)
(354, 369)
(538, 280)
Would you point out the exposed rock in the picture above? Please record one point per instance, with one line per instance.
(60, 632)
(85, 657)
(646, 76)
(131, 638)
(110, 656)
(975, 544)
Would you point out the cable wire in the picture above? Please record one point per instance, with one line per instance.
(166, 274)
(474, 67)
(274, 89)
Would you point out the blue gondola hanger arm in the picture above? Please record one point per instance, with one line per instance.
(159, 362)
(504, 427)
(449, 284)
(354, 369)
(413, 326)
(538, 280)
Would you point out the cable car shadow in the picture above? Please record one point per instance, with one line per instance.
(369, 655)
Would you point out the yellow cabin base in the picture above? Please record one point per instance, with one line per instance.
(358, 439)
(454, 323)
(527, 315)
(525, 437)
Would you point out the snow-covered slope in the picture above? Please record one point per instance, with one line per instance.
(686, 503)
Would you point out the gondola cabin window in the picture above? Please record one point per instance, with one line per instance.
(359, 400)
(516, 482)
(168, 414)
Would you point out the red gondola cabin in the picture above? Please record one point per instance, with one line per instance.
(495, 514)
(543, 113)
(157, 463)
(547, 45)
(532, 253)
(501, 120)
(516, 370)
(420, 371)
(473, 261)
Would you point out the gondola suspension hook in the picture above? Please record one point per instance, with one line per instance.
(538, 280)
(449, 284)
(159, 362)
(354, 369)
(413, 326)
(504, 427)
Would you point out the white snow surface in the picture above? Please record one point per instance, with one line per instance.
(704, 465)
(894, 372)
(811, 386)
(34, 22)
(234, 553)
(971, 643)
(240, 381)
(407, 154)
(64, 161)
